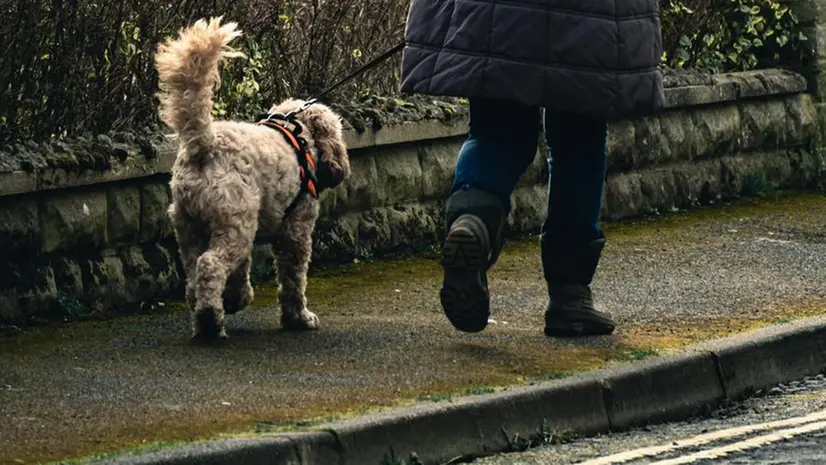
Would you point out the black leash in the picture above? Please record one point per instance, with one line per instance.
(372, 64)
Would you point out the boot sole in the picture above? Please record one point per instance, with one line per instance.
(464, 295)
(578, 324)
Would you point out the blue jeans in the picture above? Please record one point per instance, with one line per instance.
(502, 144)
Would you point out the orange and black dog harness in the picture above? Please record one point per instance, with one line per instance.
(306, 165)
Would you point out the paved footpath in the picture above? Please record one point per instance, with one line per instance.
(99, 386)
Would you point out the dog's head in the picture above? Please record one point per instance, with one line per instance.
(325, 129)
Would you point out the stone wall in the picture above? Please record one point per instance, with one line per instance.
(93, 236)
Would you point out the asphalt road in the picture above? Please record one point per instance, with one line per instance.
(77, 389)
(785, 425)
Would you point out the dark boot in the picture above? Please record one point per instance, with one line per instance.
(571, 311)
(475, 221)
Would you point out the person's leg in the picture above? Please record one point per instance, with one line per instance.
(500, 147)
(572, 239)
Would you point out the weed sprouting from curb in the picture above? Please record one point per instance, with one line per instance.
(636, 354)
(557, 375)
(436, 397)
(543, 437)
(644, 353)
(476, 391)
(392, 459)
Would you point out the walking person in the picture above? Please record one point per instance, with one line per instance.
(568, 65)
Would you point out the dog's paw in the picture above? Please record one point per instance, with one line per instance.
(208, 327)
(302, 321)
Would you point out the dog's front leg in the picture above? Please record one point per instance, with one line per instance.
(295, 249)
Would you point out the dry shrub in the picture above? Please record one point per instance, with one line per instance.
(85, 66)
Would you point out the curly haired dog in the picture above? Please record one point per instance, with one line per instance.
(234, 181)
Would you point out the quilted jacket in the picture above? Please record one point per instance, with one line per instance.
(599, 58)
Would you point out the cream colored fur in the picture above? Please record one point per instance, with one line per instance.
(233, 181)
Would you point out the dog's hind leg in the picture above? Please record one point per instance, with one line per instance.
(239, 293)
(295, 249)
(228, 248)
(192, 242)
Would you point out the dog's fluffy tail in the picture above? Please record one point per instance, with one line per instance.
(188, 73)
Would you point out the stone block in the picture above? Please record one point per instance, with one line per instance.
(801, 119)
(763, 124)
(399, 175)
(422, 130)
(716, 131)
(817, 78)
(780, 81)
(140, 282)
(36, 290)
(124, 215)
(104, 283)
(438, 166)
(149, 272)
(68, 276)
(72, 221)
(649, 145)
(817, 39)
(808, 11)
(163, 259)
(530, 205)
(405, 227)
(658, 140)
(622, 145)
(694, 182)
(361, 191)
(19, 226)
(820, 136)
(264, 263)
(622, 196)
(537, 171)
(683, 97)
(333, 201)
(337, 240)
(658, 190)
(155, 201)
(17, 182)
(10, 311)
(806, 169)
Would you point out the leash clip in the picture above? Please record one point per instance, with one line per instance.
(302, 108)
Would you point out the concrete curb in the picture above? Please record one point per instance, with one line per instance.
(650, 391)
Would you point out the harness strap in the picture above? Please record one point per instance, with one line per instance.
(306, 165)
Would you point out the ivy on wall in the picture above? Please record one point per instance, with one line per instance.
(730, 35)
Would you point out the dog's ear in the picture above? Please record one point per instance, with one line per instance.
(333, 159)
(333, 163)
